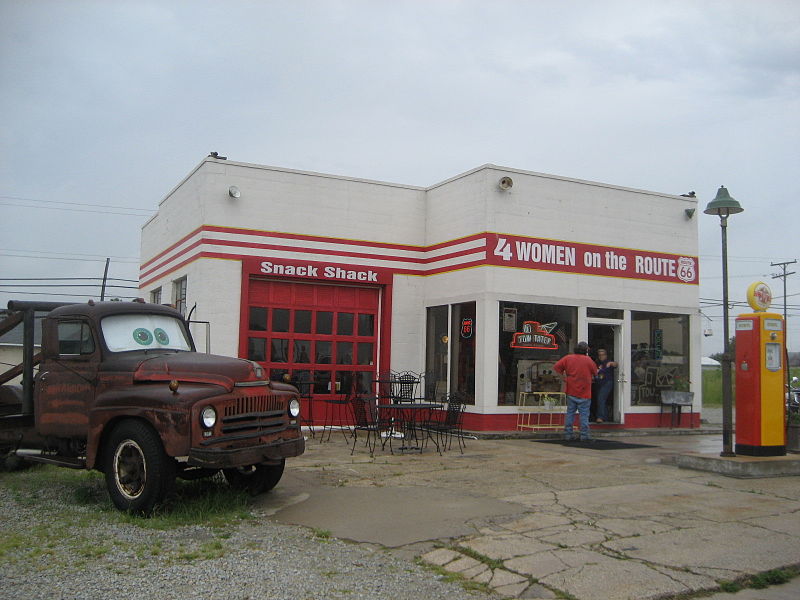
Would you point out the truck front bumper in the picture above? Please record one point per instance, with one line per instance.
(229, 458)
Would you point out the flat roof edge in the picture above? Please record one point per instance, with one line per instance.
(512, 170)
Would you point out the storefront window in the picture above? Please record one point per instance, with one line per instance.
(462, 345)
(532, 338)
(659, 355)
(436, 355)
(450, 351)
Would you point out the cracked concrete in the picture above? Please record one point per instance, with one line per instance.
(532, 520)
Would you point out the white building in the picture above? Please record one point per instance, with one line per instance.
(481, 281)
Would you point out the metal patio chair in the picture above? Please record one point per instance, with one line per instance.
(366, 418)
(450, 424)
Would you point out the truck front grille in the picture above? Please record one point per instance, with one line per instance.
(261, 414)
(253, 404)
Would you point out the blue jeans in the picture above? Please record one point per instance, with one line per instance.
(581, 406)
(603, 392)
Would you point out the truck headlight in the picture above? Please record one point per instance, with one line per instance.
(208, 417)
(294, 408)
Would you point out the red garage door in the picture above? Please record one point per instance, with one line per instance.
(321, 334)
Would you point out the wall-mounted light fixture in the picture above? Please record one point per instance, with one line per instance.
(505, 183)
(234, 192)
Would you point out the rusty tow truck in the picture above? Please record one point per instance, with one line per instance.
(119, 387)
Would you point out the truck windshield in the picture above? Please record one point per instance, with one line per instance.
(123, 333)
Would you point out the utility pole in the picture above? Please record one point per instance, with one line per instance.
(783, 276)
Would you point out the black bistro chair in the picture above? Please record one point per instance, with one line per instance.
(450, 424)
(336, 416)
(366, 419)
(404, 387)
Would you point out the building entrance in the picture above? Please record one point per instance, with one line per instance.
(605, 347)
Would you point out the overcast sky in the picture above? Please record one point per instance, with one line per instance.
(110, 104)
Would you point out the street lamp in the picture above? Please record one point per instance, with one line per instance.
(723, 206)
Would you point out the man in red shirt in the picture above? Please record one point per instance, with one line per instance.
(578, 370)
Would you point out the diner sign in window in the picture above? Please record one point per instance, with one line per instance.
(532, 338)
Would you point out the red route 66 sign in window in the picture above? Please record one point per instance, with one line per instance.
(467, 327)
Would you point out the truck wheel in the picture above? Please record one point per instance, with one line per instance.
(255, 479)
(138, 472)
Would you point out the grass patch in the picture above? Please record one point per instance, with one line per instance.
(730, 587)
(712, 385)
(773, 577)
(446, 576)
(492, 563)
(69, 507)
(206, 551)
(760, 581)
(206, 502)
(322, 534)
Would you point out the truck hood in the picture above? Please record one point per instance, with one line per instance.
(195, 367)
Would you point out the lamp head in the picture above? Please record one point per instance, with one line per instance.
(723, 204)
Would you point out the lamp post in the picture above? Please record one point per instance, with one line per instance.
(723, 205)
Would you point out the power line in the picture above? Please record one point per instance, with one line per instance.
(121, 260)
(54, 253)
(75, 203)
(99, 208)
(65, 285)
(738, 258)
(66, 279)
(59, 294)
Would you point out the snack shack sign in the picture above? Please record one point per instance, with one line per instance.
(588, 259)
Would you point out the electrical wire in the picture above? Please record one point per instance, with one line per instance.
(67, 295)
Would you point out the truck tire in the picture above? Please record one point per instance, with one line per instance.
(139, 474)
(255, 479)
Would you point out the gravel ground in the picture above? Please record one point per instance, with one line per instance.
(54, 548)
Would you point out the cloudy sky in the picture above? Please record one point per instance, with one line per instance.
(105, 106)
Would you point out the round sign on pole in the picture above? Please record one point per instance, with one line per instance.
(759, 296)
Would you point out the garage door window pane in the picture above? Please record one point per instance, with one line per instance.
(344, 353)
(258, 318)
(325, 323)
(323, 353)
(302, 321)
(344, 324)
(302, 351)
(257, 349)
(280, 319)
(322, 382)
(366, 325)
(280, 350)
(364, 353)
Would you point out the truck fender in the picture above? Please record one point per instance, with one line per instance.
(171, 426)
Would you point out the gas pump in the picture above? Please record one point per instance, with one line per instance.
(760, 377)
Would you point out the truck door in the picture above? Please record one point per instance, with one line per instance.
(67, 381)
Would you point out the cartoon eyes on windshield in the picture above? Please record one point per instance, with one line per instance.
(144, 337)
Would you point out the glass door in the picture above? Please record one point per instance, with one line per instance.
(605, 347)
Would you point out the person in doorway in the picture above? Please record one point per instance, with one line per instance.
(605, 384)
(577, 370)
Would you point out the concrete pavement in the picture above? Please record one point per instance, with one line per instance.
(532, 520)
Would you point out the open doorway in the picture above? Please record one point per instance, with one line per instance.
(604, 348)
